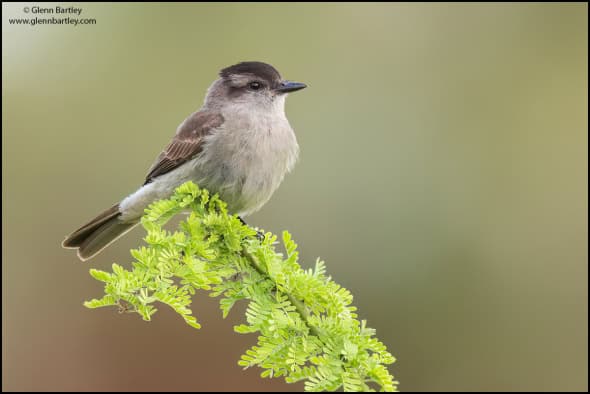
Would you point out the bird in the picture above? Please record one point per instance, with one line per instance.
(239, 144)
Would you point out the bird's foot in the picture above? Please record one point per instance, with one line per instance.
(259, 234)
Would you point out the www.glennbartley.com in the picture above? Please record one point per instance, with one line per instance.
(52, 16)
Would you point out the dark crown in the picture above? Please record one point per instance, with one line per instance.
(258, 69)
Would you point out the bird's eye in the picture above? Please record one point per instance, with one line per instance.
(255, 85)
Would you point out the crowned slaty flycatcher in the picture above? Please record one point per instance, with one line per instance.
(239, 144)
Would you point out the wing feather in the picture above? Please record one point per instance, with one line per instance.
(186, 144)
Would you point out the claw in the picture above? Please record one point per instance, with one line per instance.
(259, 234)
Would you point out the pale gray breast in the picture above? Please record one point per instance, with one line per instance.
(246, 160)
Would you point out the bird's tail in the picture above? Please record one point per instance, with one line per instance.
(100, 232)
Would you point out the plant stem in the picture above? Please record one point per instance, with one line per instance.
(299, 306)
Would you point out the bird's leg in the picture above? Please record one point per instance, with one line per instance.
(259, 234)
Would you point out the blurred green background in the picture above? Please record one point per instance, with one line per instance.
(443, 178)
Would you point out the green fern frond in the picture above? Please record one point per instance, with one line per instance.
(308, 329)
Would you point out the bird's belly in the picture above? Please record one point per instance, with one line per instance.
(245, 185)
(244, 170)
(246, 177)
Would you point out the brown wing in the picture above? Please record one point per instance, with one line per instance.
(187, 142)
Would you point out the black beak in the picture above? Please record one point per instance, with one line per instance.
(288, 86)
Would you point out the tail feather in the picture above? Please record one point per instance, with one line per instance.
(76, 239)
(103, 237)
(99, 233)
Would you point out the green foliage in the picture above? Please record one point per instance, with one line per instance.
(307, 328)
